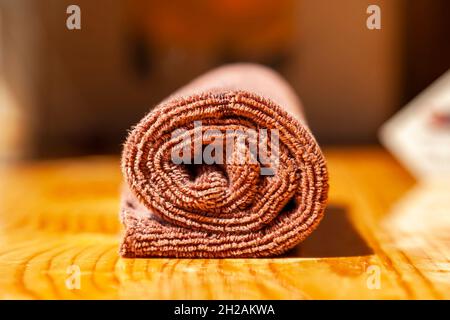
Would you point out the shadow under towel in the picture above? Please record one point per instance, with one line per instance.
(253, 204)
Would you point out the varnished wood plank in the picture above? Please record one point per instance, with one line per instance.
(58, 214)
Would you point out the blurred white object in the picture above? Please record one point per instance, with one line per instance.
(419, 134)
(419, 225)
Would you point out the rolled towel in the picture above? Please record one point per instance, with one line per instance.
(267, 195)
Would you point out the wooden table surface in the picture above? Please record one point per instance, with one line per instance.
(59, 234)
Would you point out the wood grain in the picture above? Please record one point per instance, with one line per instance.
(58, 214)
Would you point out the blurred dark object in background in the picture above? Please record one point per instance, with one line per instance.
(427, 44)
(80, 90)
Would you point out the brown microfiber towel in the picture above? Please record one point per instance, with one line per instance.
(230, 209)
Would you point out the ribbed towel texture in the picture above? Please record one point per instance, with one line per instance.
(231, 209)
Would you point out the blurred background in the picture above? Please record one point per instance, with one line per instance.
(74, 92)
